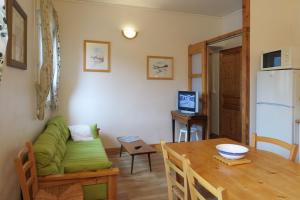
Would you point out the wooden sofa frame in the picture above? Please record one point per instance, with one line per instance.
(107, 176)
(102, 176)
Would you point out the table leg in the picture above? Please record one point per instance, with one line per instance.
(204, 132)
(149, 159)
(132, 161)
(173, 129)
(189, 131)
(121, 149)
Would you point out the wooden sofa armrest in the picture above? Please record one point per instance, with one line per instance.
(107, 176)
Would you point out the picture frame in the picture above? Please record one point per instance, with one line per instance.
(97, 56)
(160, 68)
(17, 35)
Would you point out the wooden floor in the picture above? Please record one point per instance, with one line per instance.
(143, 184)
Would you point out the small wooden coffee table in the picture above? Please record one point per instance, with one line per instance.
(138, 147)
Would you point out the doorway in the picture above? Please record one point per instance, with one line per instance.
(225, 67)
(205, 49)
(230, 94)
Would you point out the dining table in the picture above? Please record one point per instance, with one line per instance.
(267, 177)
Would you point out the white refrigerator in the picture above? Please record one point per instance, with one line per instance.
(278, 107)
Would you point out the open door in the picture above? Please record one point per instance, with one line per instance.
(198, 77)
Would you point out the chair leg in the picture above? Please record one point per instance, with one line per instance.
(149, 160)
(132, 162)
(170, 193)
(197, 138)
(186, 137)
(179, 138)
(121, 149)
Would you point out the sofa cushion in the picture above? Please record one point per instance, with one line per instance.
(50, 169)
(85, 156)
(49, 150)
(94, 131)
(61, 124)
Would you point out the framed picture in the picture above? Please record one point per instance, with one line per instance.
(160, 68)
(96, 56)
(17, 35)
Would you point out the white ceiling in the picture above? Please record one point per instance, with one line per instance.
(206, 7)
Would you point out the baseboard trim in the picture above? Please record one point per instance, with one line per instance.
(113, 150)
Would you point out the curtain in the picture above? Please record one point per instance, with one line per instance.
(45, 72)
(56, 64)
(49, 57)
(3, 35)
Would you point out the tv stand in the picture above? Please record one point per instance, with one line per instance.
(189, 119)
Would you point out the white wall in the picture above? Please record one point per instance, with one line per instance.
(123, 102)
(232, 21)
(17, 107)
(269, 30)
(295, 22)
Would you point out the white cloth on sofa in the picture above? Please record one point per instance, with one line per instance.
(81, 132)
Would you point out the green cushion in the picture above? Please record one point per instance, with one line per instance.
(50, 169)
(49, 150)
(95, 192)
(85, 156)
(61, 124)
(94, 131)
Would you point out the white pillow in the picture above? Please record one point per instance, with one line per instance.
(81, 132)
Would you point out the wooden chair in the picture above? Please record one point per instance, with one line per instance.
(176, 173)
(292, 148)
(26, 170)
(199, 188)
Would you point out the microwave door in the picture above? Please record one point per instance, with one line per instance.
(272, 59)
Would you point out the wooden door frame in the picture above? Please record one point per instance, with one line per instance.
(200, 48)
(224, 37)
(220, 89)
(245, 98)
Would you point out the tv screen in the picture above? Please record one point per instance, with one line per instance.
(188, 101)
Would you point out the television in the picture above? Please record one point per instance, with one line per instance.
(188, 101)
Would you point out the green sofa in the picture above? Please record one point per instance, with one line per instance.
(61, 160)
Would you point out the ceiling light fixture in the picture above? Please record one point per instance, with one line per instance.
(129, 33)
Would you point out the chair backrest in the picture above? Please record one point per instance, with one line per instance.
(26, 170)
(195, 180)
(292, 148)
(176, 173)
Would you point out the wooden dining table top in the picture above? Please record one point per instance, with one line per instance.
(268, 176)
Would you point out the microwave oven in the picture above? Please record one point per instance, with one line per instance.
(280, 59)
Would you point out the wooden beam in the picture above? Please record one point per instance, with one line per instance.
(194, 48)
(225, 36)
(245, 88)
(205, 88)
